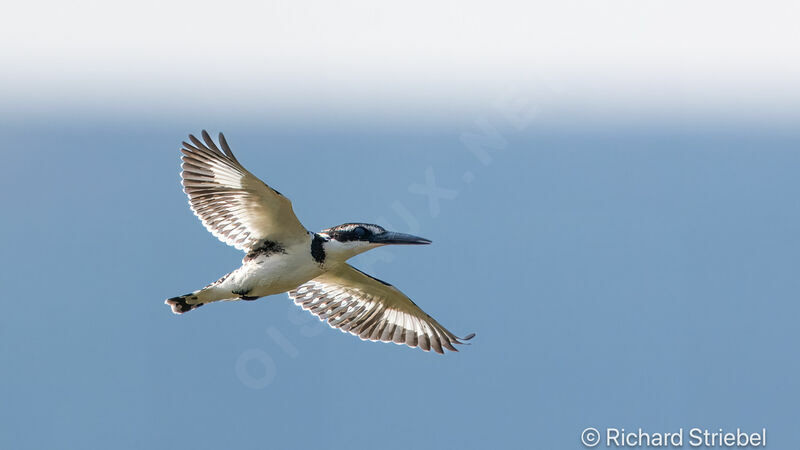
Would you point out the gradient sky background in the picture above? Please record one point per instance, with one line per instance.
(619, 224)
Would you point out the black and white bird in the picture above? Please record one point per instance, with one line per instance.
(282, 256)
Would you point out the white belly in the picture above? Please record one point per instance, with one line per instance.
(278, 272)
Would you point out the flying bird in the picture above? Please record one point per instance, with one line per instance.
(282, 256)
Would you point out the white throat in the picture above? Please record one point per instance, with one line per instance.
(336, 251)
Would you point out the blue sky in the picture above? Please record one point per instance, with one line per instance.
(616, 218)
(613, 280)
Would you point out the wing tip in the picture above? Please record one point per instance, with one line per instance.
(207, 144)
(467, 337)
(462, 340)
(225, 147)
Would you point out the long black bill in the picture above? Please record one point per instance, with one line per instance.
(391, 237)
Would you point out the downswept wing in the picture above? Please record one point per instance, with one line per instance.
(359, 304)
(233, 204)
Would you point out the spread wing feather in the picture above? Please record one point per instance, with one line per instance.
(233, 204)
(359, 304)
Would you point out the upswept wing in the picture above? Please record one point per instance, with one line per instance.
(359, 304)
(233, 204)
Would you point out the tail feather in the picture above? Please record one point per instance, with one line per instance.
(196, 299)
(184, 303)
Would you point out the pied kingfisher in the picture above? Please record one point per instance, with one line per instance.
(282, 256)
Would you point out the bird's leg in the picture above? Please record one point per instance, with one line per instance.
(243, 295)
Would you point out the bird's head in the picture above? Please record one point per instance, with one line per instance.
(350, 239)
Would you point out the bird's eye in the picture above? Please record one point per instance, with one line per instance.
(360, 231)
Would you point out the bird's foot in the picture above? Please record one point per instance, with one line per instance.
(243, 295)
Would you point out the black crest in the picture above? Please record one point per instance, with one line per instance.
(354, 231)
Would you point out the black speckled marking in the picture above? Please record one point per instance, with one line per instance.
(181, 305)
(264, 248)
(317, 251)
(248, 298)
